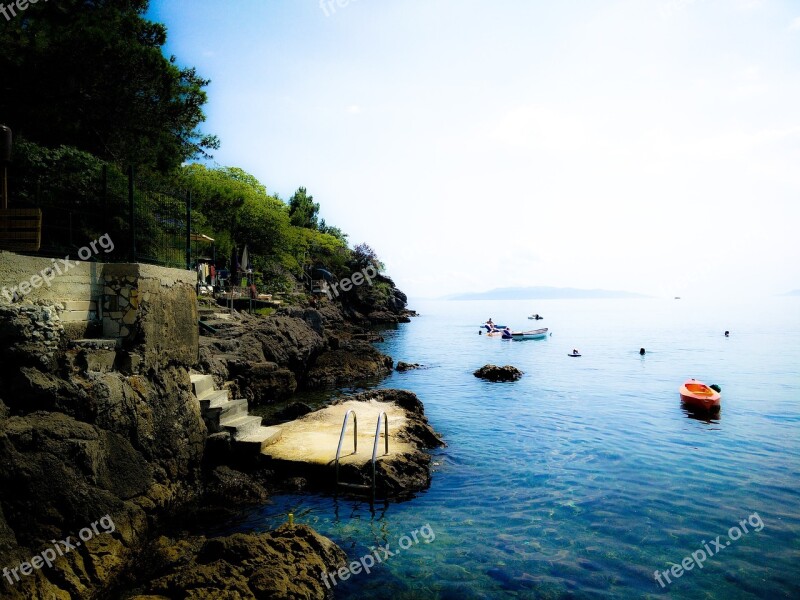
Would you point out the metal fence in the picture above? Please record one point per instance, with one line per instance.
(146, 225)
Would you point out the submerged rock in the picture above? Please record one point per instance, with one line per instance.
(495, 373)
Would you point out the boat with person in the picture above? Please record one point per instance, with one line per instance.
(533, 334)
(536, 317)
(696, 394)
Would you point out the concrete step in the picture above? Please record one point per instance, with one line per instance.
(232, 409)
(259, 439)
(218, 412)
(80, 305)
(77, 316)
(241, 425)
(213, 399)
(201, 384)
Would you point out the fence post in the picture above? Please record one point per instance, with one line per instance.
(104, 196)
(188, 230)
(5, 158)
(132, 213)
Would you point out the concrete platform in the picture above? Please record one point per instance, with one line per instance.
(313, 438)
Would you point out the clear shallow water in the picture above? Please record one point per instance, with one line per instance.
(587, 475)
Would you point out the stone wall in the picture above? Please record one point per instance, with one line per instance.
(146, 308)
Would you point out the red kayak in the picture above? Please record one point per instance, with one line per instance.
(696, 394)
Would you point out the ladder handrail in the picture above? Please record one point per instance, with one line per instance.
(375, 444)
(355, 443)
(341, 438)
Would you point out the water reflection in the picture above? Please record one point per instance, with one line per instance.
(704, 416)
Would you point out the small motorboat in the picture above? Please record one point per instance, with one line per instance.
(574, 352)
(696, 394)
(536, 317)
(533, 334)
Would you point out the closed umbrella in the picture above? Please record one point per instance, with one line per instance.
(235, 266)
(246, 266)
(245, 260)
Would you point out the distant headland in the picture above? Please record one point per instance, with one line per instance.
(540, 293)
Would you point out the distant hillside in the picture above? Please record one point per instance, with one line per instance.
(540, 293)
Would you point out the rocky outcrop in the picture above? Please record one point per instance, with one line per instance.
(110, 430)
(402, 367)
(76, 474)
(227, 487)
(378, 304)
(495, 373)
(352, 361)
(77, 445)
(286, 563)
(270, 358)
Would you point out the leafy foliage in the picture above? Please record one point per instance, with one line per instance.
(88, 92)
(364, 256)
(91, 74)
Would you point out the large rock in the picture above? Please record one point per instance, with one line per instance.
(78, 445)
(353, 361)
(269, 359)
(402, 367)
(76, 474)
(227, 487)
(263, 383)
(285, 563)
(495, 373)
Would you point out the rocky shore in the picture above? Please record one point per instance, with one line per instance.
(88, 431)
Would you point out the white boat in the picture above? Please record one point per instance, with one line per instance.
(533, 334)
(536, 317)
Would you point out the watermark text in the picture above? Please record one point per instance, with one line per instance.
(60, 548)
(347, 284)
(709, 549)
(59, 267)
(379, 555)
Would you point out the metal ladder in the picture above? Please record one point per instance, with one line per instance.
(355, 486)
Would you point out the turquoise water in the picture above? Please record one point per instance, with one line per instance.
(584, 477)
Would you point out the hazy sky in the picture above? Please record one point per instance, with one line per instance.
(648, 146)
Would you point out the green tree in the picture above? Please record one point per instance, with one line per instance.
(303, 210)
(236, 208)
(363, 256)
(91, 74)
(334, 231)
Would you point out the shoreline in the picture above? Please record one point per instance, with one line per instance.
(118, 432)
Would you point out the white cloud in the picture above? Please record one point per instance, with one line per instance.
(354, 109)
(795, 25)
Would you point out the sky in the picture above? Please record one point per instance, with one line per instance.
(646, 146)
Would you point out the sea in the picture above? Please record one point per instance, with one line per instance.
(586, 478)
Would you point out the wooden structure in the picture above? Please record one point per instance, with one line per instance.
(20, 229)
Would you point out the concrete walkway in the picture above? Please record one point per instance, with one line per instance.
(313, 438)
